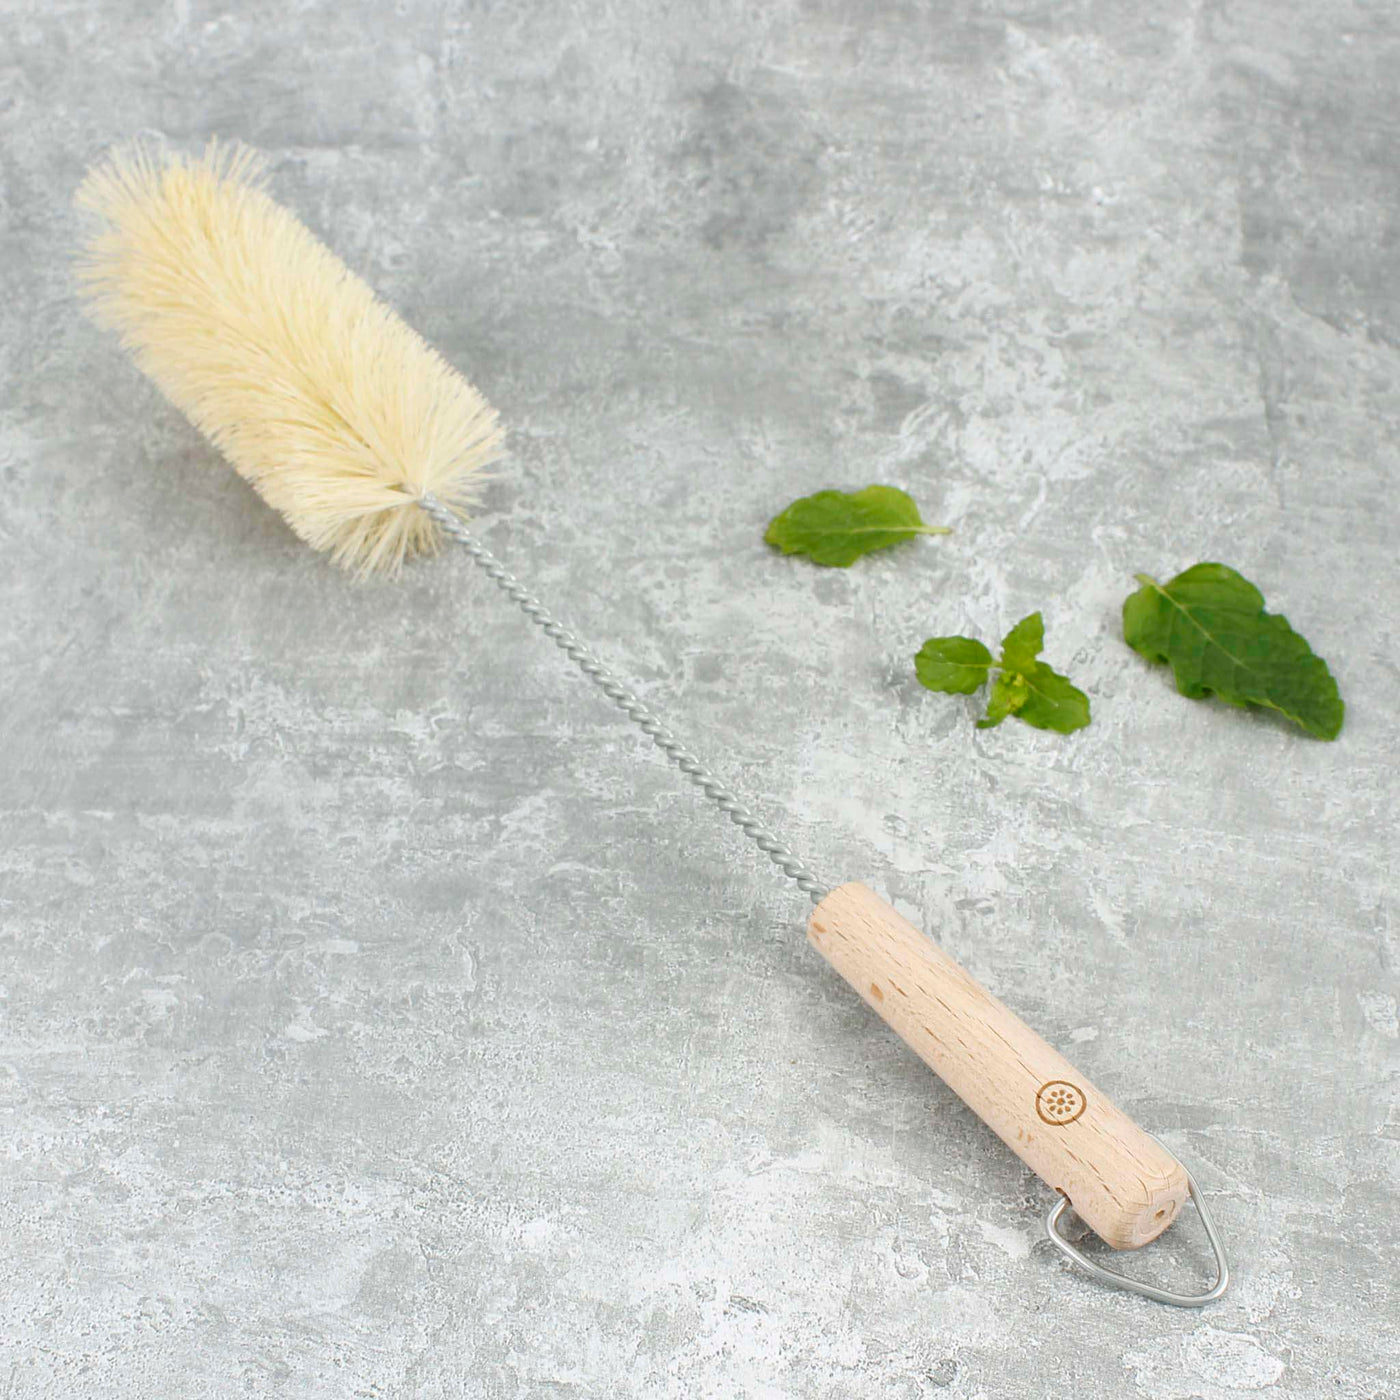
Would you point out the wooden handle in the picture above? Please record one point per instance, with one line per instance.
(1124, 1184)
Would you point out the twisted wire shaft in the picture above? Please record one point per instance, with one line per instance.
(628, 703)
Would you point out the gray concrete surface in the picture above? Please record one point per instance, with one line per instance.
(382, 1018)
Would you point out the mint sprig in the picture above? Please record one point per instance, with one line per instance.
(1025, 687)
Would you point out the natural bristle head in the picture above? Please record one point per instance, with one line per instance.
(337, 412)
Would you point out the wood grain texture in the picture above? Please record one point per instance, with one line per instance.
(1123, 1183)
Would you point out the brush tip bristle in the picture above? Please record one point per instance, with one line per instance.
(339, 414)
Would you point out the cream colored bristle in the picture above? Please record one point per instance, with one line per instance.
(334, 409)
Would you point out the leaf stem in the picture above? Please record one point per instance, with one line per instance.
(893, 530)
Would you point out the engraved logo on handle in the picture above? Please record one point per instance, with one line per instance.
(1058, 1102)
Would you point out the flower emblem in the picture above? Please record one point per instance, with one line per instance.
(1059, 1102)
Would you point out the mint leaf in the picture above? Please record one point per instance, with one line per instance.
(835, 528)
(954, 665)
(1210, 626)
(1023, 643)
(1053, 703)
(1024, 685)
(1008, 695)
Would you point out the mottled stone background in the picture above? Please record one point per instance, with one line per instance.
(381, 1017)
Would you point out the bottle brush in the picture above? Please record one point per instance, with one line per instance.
(372, 448)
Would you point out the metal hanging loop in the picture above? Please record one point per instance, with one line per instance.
(1131, 1285)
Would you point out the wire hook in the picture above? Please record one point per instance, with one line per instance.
(1131, 1285)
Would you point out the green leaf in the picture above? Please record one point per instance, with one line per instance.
(1023, 643)
(1024, 686)
(1210, 626)
(1009, 694)
(836, 527)
(1053, 703)
(954, 665)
